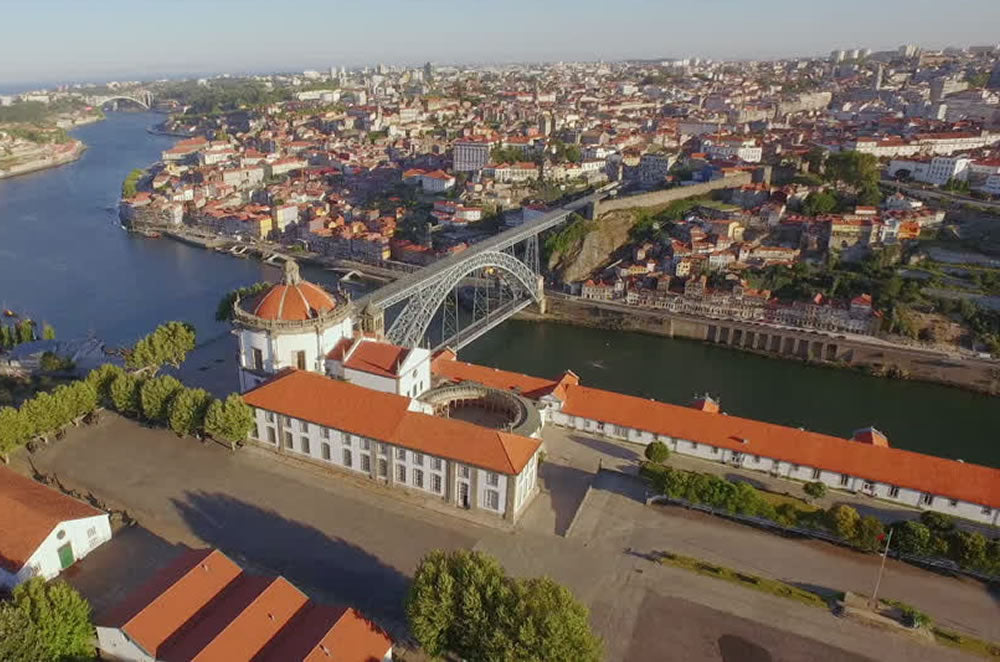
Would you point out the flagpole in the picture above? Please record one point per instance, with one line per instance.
(873, 604)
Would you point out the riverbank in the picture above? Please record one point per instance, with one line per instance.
(870, 356)
(60, 155)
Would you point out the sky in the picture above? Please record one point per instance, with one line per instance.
(76, 40)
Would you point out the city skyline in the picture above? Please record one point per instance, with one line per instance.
(194, 39)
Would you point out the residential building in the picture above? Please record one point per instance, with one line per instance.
(471, 154)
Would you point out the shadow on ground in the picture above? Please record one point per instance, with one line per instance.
(331, 569)
(606, 447)
(566, 487)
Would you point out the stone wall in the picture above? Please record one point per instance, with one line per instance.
(662, 198)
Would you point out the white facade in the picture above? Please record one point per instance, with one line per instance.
(937, 170)
(263, 353)
(69, 541)
(780, 468)
(459, 484)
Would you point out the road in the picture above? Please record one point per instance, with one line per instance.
(345, 541)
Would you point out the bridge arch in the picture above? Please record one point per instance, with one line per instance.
(411, 324)
(145, 101)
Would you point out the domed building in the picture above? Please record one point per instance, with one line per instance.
(291, 325)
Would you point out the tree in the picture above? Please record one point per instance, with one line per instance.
(463, 603)
(657, 452)
(168, 343)
(51, 621)
(816, 489)
(101, 378)
(25, 330)
(870, 195)
(938, 523)
(843, 521)
(187, 411)
(853, 168)
(48, 333)
(230, 420)
(911, 537)
(125, 395)
(967, 549)
(42, 414)
(870, 533)
(130, 185)
(819, 202)
(224, 311)
(155, 396)
(14, 432)
(76, 399)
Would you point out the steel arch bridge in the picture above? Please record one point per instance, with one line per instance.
(501, 275)
(144, 99)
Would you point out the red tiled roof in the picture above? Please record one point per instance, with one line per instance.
(299, 301)
(377, 358)
(458, 371)
(321, 633)
(29, 512)
(384, 416)
(949, 478)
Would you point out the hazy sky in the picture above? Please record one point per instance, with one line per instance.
(56, 40)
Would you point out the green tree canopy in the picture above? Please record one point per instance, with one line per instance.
(229, 420)
(125, 396)
(15, 431)
(168, 343)
(462, 602)
(224, 311)
(101, 378)
(844, 520)
(155, 396)
(45, 621)
(911, 537)
(187, 411)
(816, 489)
(854, 169)
(657, 451)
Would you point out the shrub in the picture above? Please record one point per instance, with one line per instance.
(869, 534)
(54, 363)
(657, 452)
(815, 490)
(843, 521)
(911, 538)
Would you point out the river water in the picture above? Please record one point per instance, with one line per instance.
(64, 259)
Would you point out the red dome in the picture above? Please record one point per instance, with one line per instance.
(290, 302)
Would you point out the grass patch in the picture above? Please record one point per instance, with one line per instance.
(966, 643)
(762, 584)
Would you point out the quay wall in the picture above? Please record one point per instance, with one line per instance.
(662, 198)
(874, 356)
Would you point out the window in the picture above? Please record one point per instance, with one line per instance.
(463, 471)
(893, 492)
(418, 477)
(60, 535)
(300, 360)
(366, 463)
(91, 532)
(492, 499)
(401, 473)
(953, 503)
(715, 450)
(303, 426)
(492, 479)
(271, 436)
(986, 511)
(844, 479)
(347, 458)
(305, 445)
(383, 467)
(436, 483)
(927, 499)
(256, 432)
(756, 458)
(347, 440)
(694, 445)
(817, 473)
(381, 448)
(288, 439)
(418, 459)
(325, 449)
(258, 359)
(366, 444)
(869, 486)
(436, 463)
(400, 453)
(324, 432)
(269, 416)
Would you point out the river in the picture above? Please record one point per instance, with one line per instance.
(64, 259)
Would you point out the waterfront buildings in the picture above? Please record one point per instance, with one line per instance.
(204, 607)
(42, 531)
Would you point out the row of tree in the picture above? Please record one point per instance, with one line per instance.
(168, 344)
(934, 536)
(12, 335)
(44, 415)
(463, 603)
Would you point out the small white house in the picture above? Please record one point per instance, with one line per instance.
(43, 532)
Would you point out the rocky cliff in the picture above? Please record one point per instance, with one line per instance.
(583, 246)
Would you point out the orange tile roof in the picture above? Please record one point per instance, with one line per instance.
(156, 611)
(29, 512)
(459, 371)
(300, 301)
(949, 478)
(383, 416)
(378, 358)
(321, 633)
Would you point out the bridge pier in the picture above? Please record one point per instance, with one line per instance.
(372, 320)
(541, 295)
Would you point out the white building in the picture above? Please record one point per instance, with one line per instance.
(471, 154)
(728, 147)
(937, 170)
(202, 606)
(43, 532)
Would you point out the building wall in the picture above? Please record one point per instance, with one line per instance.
(115, 645)
(658, 198)
(83, 535)
(278, 350)
(780, 468)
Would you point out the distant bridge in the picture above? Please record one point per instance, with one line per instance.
(502, 275)
(143, 98)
